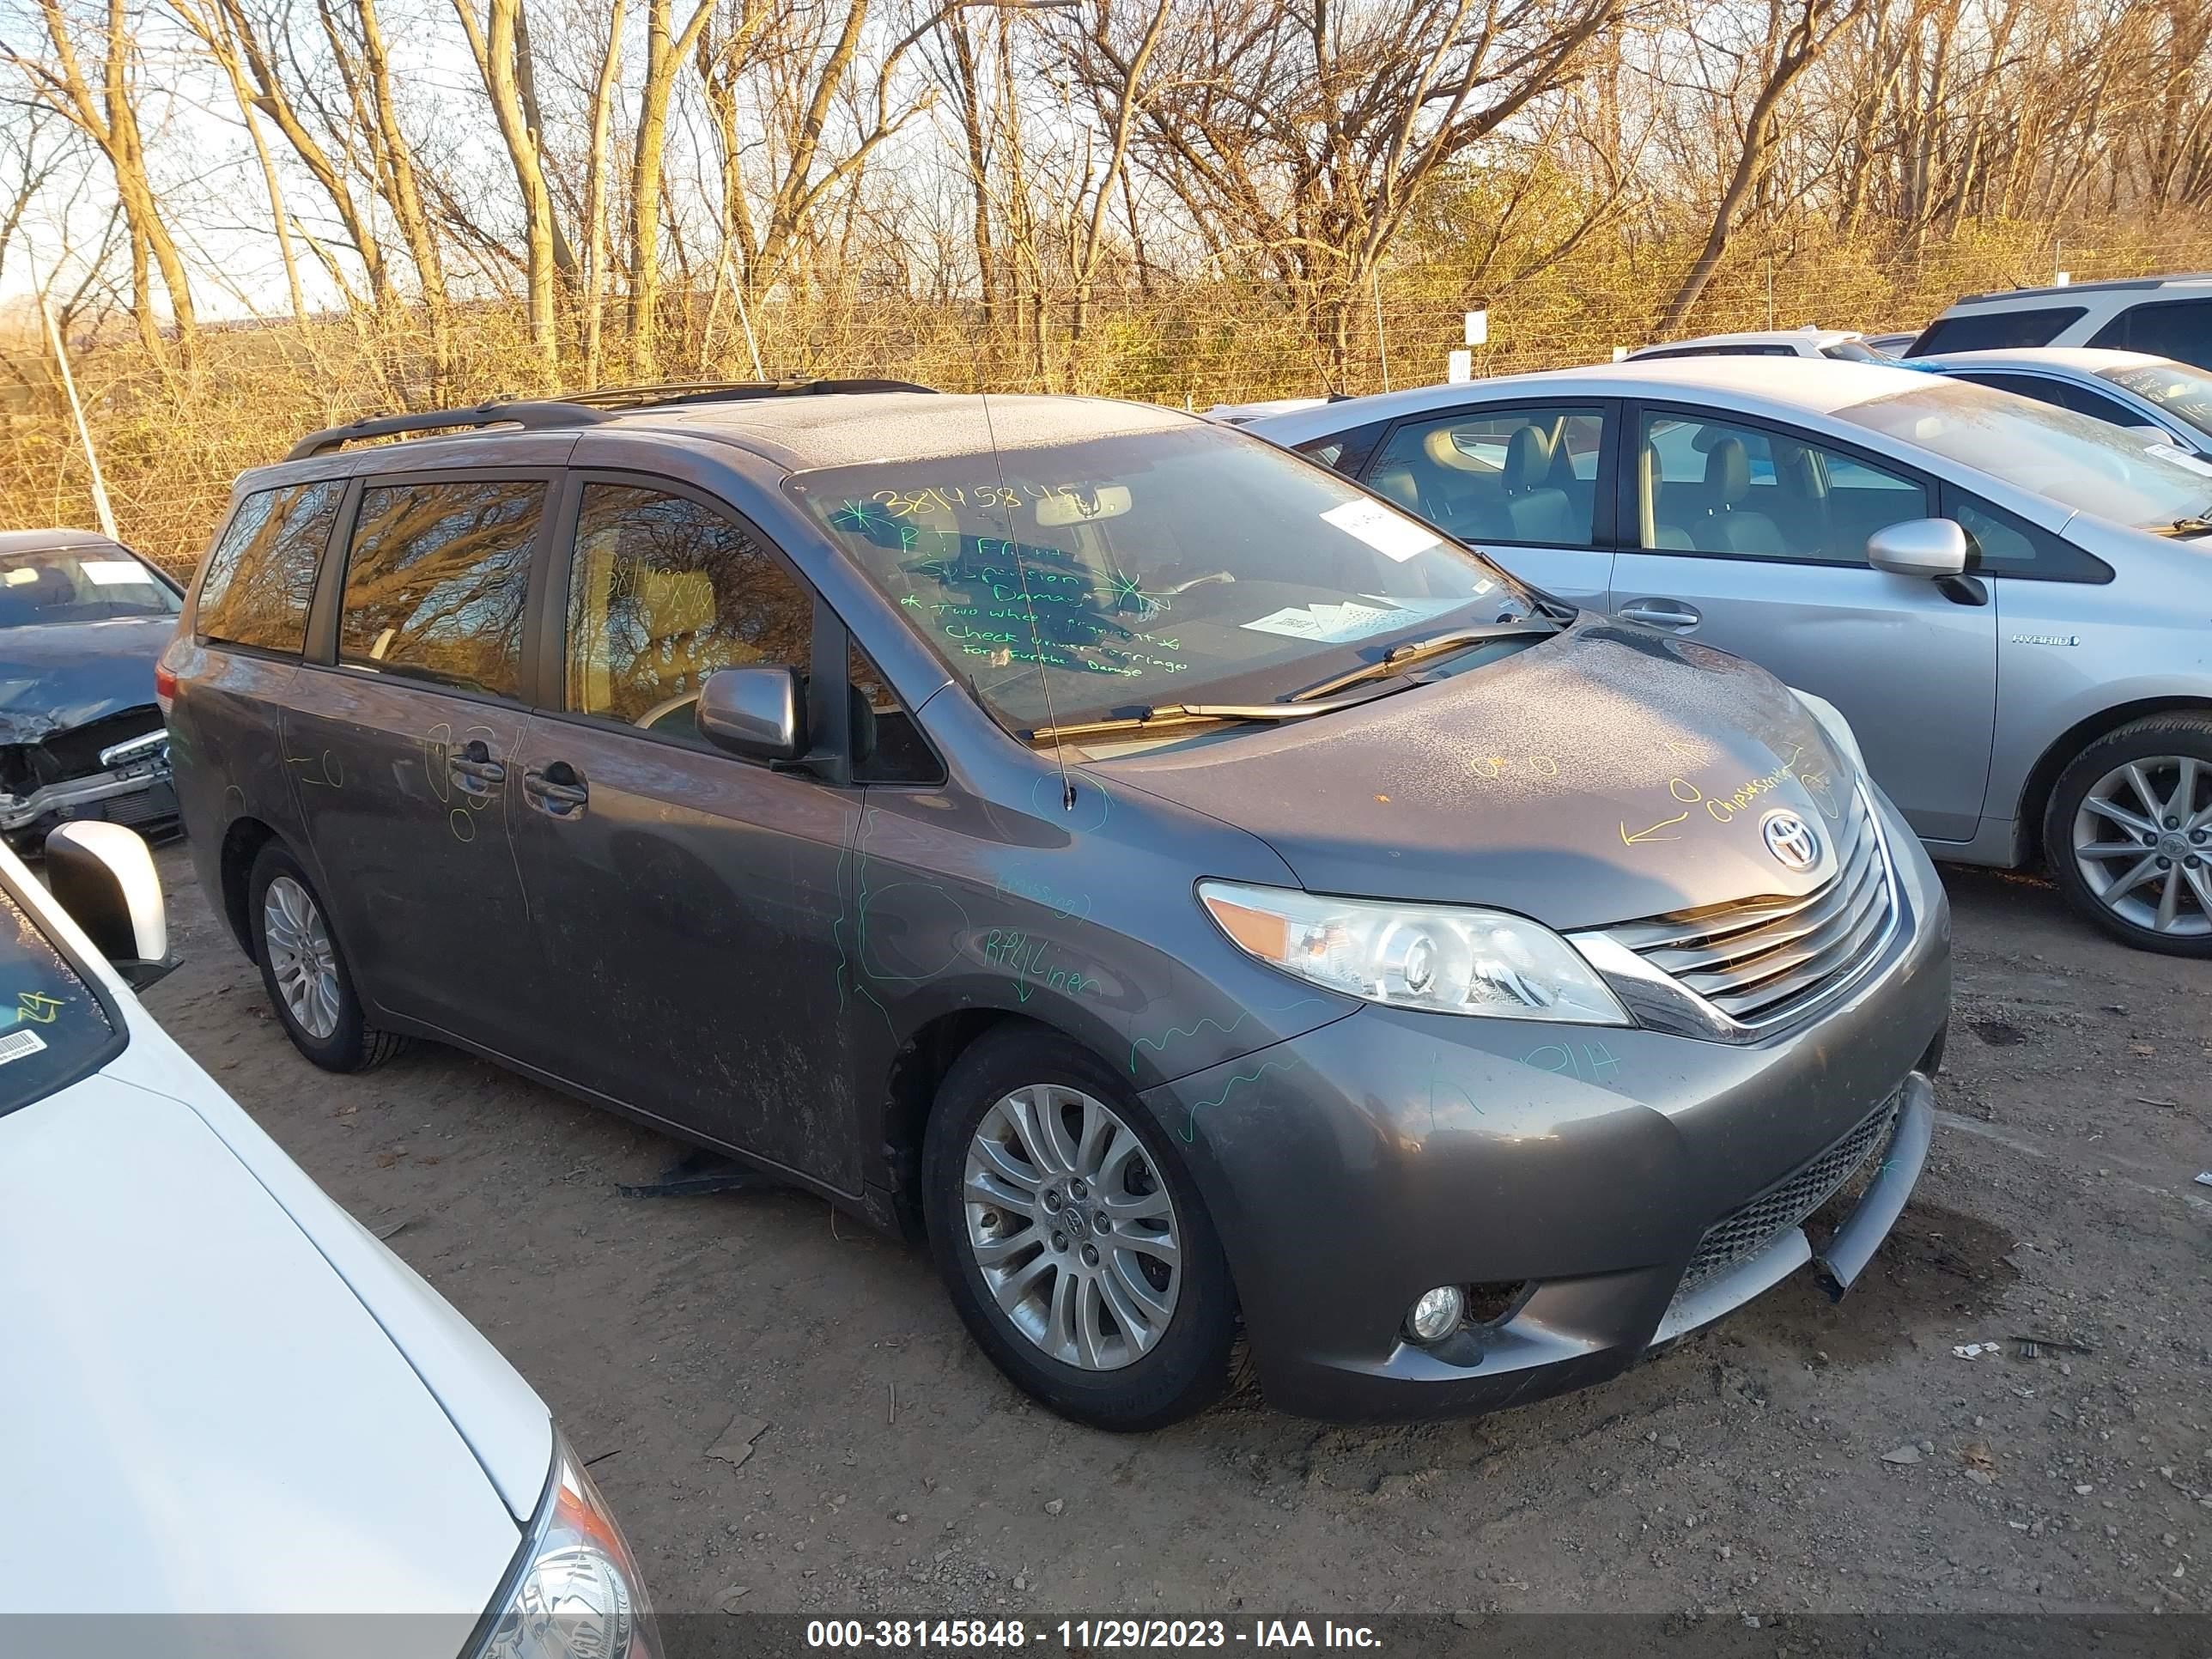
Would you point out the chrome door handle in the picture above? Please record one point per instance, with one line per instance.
(1662, 613)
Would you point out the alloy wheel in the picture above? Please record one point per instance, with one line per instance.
(2142, 842)
(1072, 1229)
(300, 957)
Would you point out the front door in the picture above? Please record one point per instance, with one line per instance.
(400, 752)
(1752, 538)
(686, 902)
(1527, 484)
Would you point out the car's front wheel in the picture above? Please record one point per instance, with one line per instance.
(305, 971)
(2128, 834)
(1071, 1239)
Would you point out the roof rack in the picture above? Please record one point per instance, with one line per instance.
(577, 409)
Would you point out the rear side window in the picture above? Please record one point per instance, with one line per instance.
(1994, 330)
(2062, 394)
(261, 575)
(663, 592)
(2179, 329)
(436, 579)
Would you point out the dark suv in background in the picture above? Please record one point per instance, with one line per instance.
(1191, 891)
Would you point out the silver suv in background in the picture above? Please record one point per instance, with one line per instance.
(2009, 601)
(2166, 316)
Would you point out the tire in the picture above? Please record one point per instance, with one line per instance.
(1122, 1374)
(2105, 799)
(349, 1043)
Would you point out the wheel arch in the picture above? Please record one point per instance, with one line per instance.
(2043, 776)
(241, 845)
(918, 1070)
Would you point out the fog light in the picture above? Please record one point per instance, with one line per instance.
(1436, 1314)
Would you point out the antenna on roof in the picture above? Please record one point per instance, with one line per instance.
(1036, 643)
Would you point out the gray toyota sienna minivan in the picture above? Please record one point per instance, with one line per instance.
(1193, 895)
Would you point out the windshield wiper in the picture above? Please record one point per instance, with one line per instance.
(1194, 713)
(1402, 656)
(2193, 527)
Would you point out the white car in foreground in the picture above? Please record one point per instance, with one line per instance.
(223, 1398)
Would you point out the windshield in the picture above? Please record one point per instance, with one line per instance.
(2182, 391)
(2074, 459)
(52, 1026)
(1182, 563)
(78, 585)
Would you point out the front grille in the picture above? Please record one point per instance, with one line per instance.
(1763, 961)
(156, 803)
(1742, 1234)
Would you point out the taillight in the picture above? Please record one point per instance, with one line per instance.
(165, 687)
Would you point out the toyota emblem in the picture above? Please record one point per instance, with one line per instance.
(1791, 840)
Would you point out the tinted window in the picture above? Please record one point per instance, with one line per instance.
(436, 579)
(79, 584)
(2003, 545)
(261, 575)
(2059, 394)
(2180, 329)
(1713, 487)
(887, 745)
(1992, 331)
(1767, 350)
(52, 1026)
(1345, 452)
(662, 592)
(1486, 475)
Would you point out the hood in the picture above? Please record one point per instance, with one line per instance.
(206, 1419)
(1606, 775)
(54, 676)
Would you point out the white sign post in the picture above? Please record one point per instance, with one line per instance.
(1478, 327)
(1460, 369)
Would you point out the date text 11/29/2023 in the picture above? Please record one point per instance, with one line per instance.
(1085, 1635)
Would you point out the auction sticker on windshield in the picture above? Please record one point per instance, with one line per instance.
(1350, 620)
(1391, 534)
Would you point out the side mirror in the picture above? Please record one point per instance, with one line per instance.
(755, 714)
(1928, 548)
(102, 875)
(2152, 434)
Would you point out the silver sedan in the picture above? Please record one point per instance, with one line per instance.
(2011, 602)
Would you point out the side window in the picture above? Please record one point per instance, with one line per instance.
(1713, 487)
(662, 591)
(2180, 329)
(260, 577)
(1999, 544)
(436, 578)
(2062, 394)
(1520, 475)
(888, 746)
(1345, 452)
(1992, 331)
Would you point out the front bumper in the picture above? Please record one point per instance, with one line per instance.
(1351, 1169)
(139, 792)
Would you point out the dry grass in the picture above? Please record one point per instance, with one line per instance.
(171, 446)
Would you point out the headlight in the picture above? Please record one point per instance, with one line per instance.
(578, 1594)
(1833, 722)
(1442, 959)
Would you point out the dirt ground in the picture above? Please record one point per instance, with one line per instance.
(1800, 1456)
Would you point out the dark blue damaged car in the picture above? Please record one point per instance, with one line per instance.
(1190, 894)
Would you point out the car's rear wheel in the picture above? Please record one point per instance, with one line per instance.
(2128, 834)
(1071, 1239)
(305, 971)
